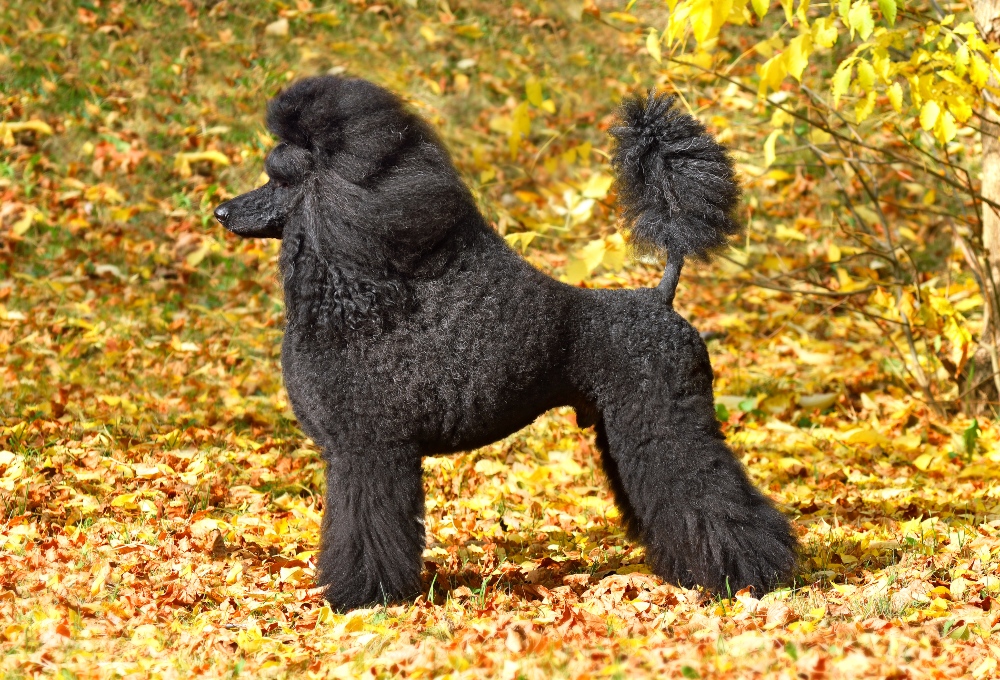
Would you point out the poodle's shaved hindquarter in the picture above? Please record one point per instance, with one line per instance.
(413, 329)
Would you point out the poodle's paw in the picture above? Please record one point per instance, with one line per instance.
(724, 551)
(354, 593)
(763, 552)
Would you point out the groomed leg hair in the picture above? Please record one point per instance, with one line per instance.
(701, 520)
(681, 491)
(373, 528)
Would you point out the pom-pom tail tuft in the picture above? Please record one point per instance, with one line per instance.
(676, 185)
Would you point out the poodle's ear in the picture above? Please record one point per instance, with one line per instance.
(313, 113)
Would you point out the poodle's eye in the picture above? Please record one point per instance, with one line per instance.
(287, 165)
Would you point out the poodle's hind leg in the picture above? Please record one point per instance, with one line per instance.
(373, 528)
(686, 497)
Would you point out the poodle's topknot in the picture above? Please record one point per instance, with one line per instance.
(319, 113)
(676, 184)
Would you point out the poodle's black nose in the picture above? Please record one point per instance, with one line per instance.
(222, 214)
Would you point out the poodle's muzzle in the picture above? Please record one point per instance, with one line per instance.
(260, 213)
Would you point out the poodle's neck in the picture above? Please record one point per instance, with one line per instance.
(339, 296)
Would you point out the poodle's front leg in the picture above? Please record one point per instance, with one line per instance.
(373, 527)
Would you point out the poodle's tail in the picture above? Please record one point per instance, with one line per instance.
(676, 184)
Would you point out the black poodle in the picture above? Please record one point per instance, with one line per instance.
(412, 329)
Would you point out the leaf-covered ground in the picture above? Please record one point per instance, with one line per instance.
(160, 508)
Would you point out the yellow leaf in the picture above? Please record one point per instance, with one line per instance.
(598, 186)
(895, 93)
(929, 115)
(324, 615)
(701, 19)
(833, 253)
(907, 442)
(946, 129)
(31, 215)
(844, 589)
(621, 16)
(428, 34)
(250, 640)
(614, 252)
(707, 16)
(864, 107)
(959, 337)
(797, 55)
(473, 31)
(821, 401)
(803, 13)
(986, 669)
(234, 574)
(100, 580)
(195, 257)
(521, 120)
(184, 159)
(792, 466)
(522, 238)
(788, 234)
(960, 108)
(38, 126)
(841, 81)
(291, 575)
(819, 137)
(867, 437)
(923, 461)
(860, 19)
(576, 271)
(533, 91)
(962, 59)
(787, 6)
(489, 467)
(760, 7)
(592, 254)
(888, 8)
(147, 471)
(825, 31)
(769, 152)
(771, 73)
(353, 623)
(866, 75)
(126, 501)
(979, 71)
(653, 45)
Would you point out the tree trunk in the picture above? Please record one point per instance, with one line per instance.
(982, 380)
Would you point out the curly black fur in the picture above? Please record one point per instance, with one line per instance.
(412, 330)
(676, 185)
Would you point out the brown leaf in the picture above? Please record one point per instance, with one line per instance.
(218, 549)
(778, 614)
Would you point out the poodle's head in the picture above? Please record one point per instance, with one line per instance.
(359, 187)
(353, 157)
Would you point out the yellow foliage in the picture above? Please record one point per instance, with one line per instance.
(184, 159)
(653, 45)
(895, 93)
(929, 115)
